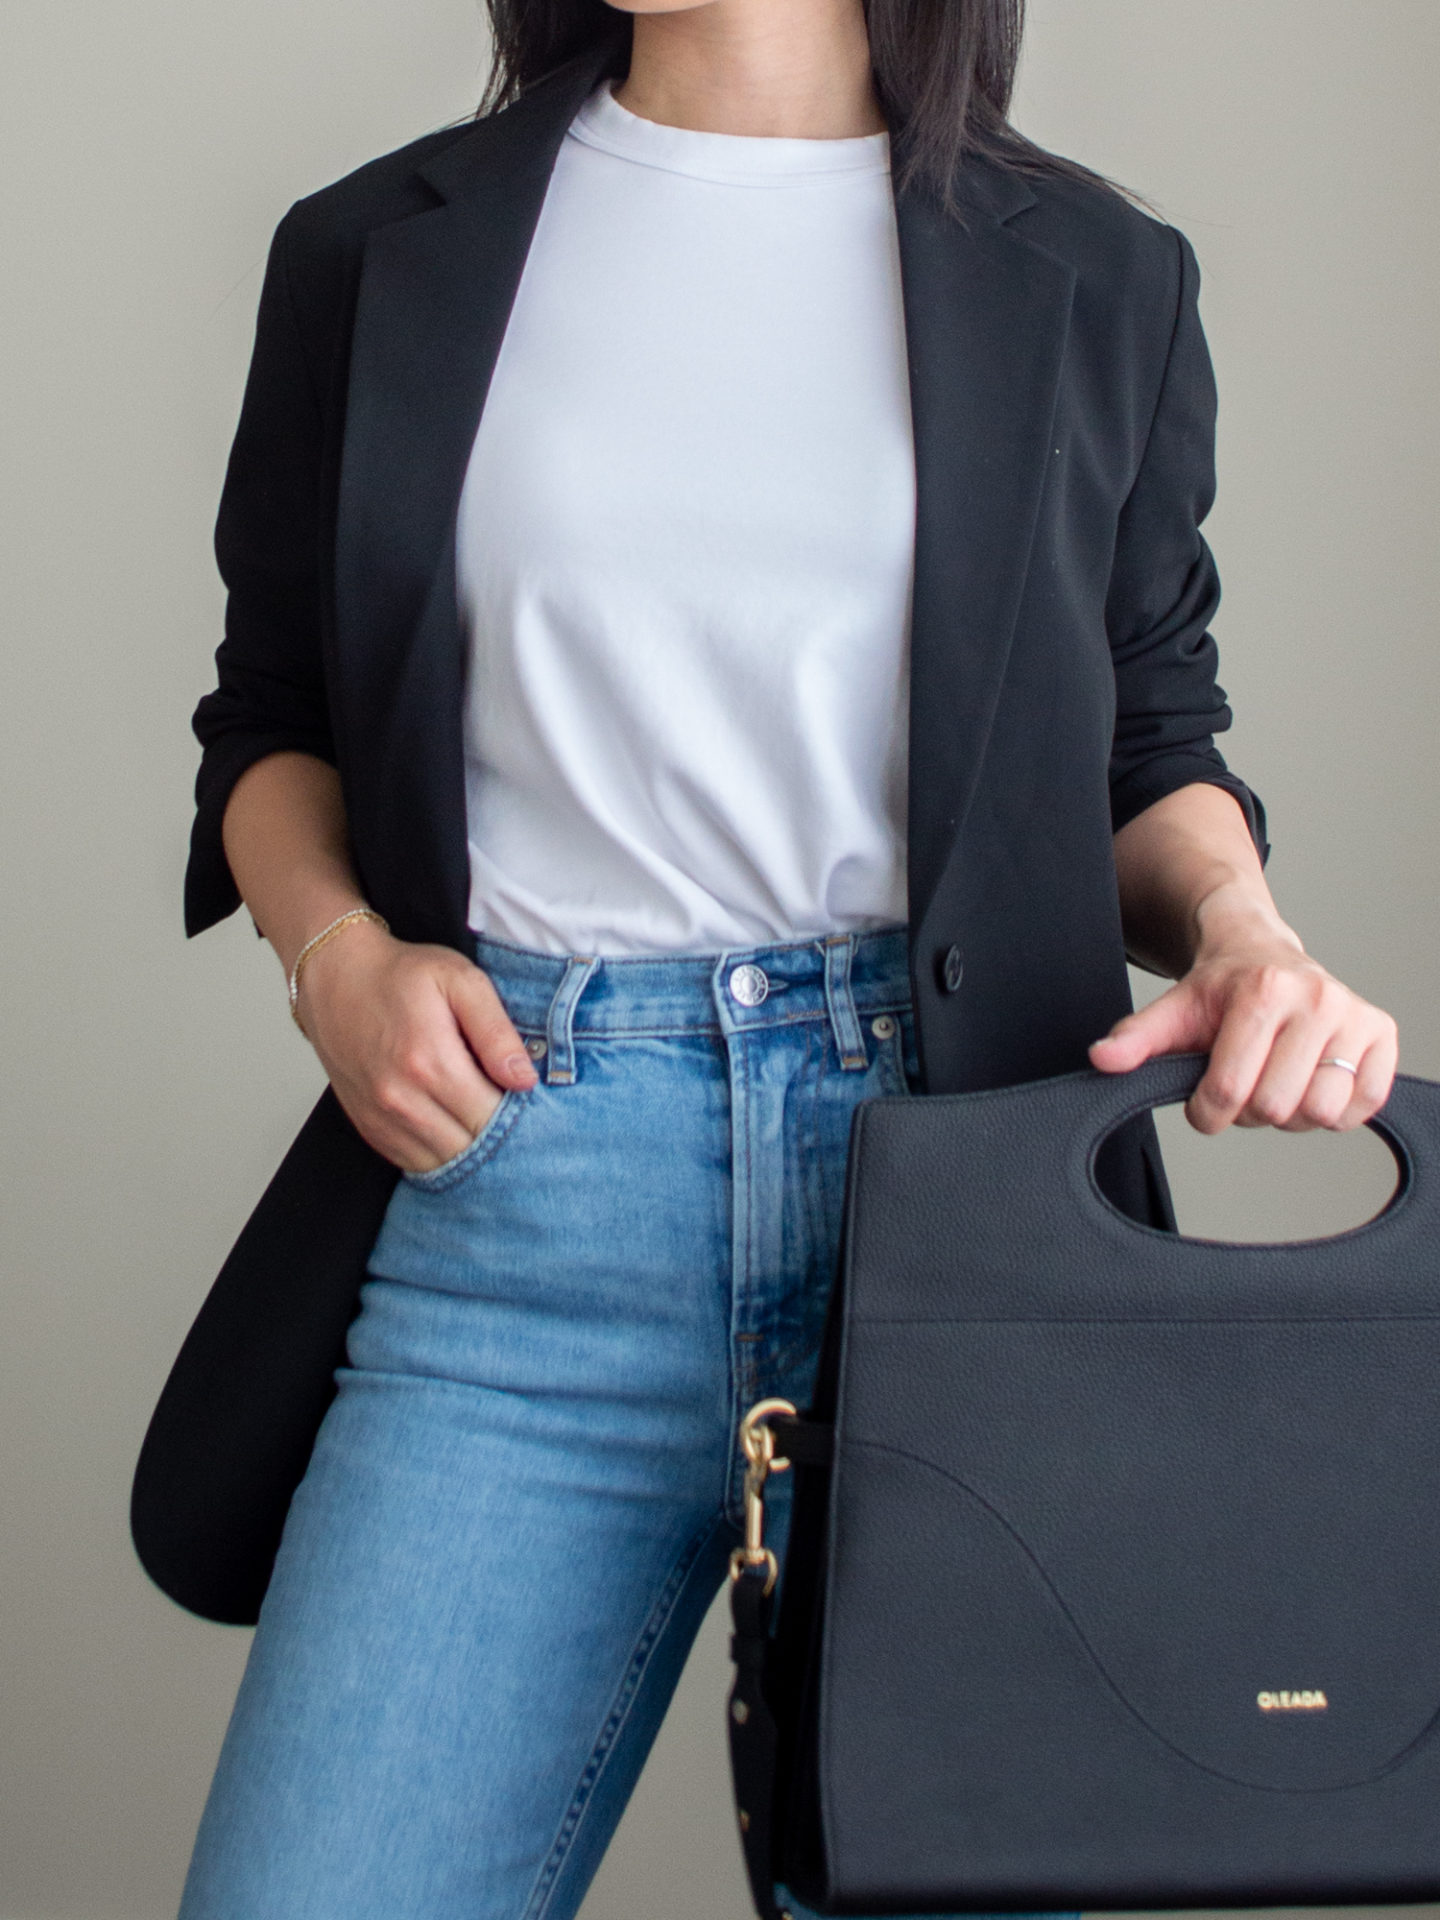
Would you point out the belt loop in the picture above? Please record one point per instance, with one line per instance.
(559, 1037)
(845, 1022)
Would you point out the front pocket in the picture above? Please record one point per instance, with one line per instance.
(481, 1149)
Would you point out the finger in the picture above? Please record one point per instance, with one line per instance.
(431, 1090)
(465, 1096)
(1238, 1055)
(1376, 1077)
(1175, 1022)
(1331, 1087)
(446, 1139)
(409, 1128)
(1289, 1092)
(488, 1029)
(1348, 1084)
(440, 1063)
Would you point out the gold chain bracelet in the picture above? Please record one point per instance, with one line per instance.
(314, 945)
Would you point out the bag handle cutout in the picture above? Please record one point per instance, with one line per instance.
(1410, 1117)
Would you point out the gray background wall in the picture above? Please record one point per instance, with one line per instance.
(149, 1087)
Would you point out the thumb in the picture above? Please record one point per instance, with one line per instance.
(481, 1017)
(1174, 1023)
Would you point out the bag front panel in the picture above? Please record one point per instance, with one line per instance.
(1133, 1570)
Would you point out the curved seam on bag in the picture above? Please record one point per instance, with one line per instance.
(1217, 1773)
(619, 1712)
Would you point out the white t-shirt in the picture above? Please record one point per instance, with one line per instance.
(685, 551)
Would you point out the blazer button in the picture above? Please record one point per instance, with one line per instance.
(952, 969)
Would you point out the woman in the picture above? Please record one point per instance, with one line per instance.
(729, 593)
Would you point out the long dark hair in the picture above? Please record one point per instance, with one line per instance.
(944, 73)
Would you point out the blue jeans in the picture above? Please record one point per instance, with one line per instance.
(522, 1500)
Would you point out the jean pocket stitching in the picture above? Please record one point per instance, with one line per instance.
(895, 1062)
(481, 1149)
(898, 1047)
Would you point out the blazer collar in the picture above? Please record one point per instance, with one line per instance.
(987, 316)
(523, 137)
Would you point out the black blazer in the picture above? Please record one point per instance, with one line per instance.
(1062, 677)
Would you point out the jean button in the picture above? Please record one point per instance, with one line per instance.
(882, 1026)
(749, 985)
(536, 1049)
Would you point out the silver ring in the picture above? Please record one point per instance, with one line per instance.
(1334, 1060)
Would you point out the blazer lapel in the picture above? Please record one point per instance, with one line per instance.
(987, 316)
(434, 298)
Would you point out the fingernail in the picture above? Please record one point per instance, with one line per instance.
(520, 1063)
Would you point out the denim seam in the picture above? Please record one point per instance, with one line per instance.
(741, 1241)
(746, 1302)
(813, 1171)
(615, 1720)
(895, 1059)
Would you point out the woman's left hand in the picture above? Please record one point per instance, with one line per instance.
(1272, 1020)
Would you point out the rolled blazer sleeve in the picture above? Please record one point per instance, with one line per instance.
(1164, 590)
(270, 693)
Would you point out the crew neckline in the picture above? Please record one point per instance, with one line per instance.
(735, 159)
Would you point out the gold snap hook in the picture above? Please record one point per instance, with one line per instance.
(756, 1439)
(758, 1445)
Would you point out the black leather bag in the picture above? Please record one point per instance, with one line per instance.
(1113, 1576)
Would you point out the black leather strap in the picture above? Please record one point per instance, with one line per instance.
(806, 1443)
(753, 1737)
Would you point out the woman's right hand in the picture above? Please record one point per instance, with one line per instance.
(415, 1039)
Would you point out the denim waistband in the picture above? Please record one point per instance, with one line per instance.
(837, 977)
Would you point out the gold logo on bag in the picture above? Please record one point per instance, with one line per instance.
(1306, 1700)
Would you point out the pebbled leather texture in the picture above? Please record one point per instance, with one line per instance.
(1096, 1489)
